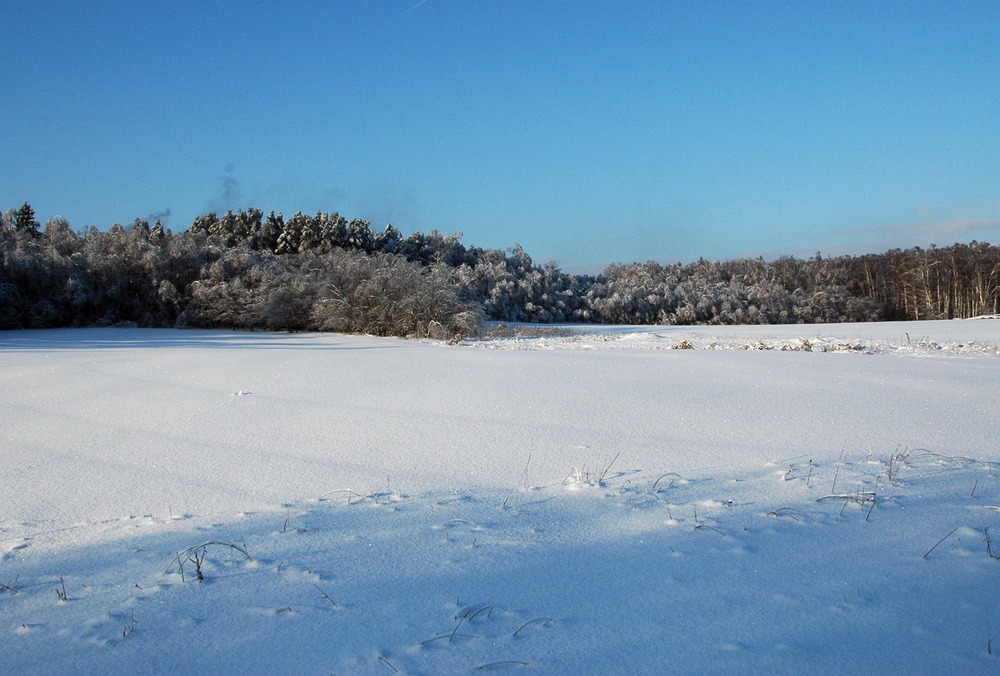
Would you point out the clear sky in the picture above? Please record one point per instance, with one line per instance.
(588, 132)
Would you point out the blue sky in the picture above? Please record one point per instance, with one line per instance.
(588, 132)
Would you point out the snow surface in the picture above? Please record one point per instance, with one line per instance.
(808, 499)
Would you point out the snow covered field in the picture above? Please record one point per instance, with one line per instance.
(808, 499)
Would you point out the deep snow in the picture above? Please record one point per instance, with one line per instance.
(596, 502)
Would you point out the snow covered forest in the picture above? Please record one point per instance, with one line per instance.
(324, 273)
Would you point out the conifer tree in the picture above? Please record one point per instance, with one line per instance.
(25, 222)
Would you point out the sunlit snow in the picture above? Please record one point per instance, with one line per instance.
(807, 499)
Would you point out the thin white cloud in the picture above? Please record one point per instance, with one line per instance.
(857, 241)
(941, 232)
(407, 11)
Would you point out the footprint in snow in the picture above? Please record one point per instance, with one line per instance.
(19, 544)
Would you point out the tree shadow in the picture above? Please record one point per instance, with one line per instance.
(51, 340)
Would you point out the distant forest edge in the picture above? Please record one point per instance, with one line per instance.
(246, 270)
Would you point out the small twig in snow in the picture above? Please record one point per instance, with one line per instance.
(989, 544)
(600, 479)
(940, 541)
(61, 590)
(9, 587)
(543, 620)
(702, 525)
(326, 596)
(503, 663)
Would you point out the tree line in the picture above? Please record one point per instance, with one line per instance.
(326, 273)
